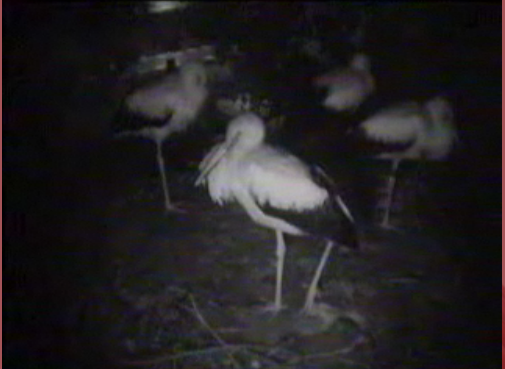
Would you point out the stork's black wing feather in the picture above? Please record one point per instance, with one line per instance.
(328, 221)
(126, 120)
(345, 232)
(367, 147)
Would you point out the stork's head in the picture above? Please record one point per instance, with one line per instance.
(440, 110)
(245, 131)
(360, 62)
(194, 75)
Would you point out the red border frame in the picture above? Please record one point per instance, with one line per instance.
(503, 248)
(1, 202)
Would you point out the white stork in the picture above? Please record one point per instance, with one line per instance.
(158, 7)
(260, 177)
(348, 87)
(426, 129)
(166, 107)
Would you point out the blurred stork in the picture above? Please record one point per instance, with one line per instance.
(166, 107)
(348, 87)
(260, 177)
(427, 130)
(158, 7)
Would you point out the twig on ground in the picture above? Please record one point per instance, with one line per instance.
(342, 351)
(214, 334)
(182, 355)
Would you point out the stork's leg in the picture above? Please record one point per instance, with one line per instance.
(280, 253)
(390, 193)
(311, 293)
(417, 188)
(169, 207)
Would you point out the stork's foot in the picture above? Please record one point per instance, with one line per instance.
(386, 225)
(309, 308)
(320, 316)
(271, 309)
(178, 208)
(389, 227)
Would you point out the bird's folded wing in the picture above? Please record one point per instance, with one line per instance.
(156, 99)
(281, 180)
(392, 128)
(152, 103)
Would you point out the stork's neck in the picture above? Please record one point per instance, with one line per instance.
(241, 150)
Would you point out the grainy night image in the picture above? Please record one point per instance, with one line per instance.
(252, 185)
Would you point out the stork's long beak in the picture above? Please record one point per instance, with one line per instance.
(214, 158)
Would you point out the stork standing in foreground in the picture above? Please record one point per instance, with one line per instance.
(260, 177)
(428, 130)
(166, 107)
(348, 87)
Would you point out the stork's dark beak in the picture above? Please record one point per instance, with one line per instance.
(348, 232)
(218, 154)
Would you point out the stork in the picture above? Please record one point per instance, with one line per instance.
(158, 7)
(262, 178)
(165, 107)
(348, 87)
(426, 129)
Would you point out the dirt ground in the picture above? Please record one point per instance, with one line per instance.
(126, 282)
(97, 275)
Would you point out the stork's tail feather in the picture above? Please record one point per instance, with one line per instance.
(144, 132)
(345, 208)
(370, 144)
(332, 186)
(347, 234)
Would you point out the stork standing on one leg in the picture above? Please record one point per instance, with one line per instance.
(166, 107)
(260, 177)
(428, 130)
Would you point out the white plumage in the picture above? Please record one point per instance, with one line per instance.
(428, 129)
(157, 7)
(175, 101)
(349, 87)
(256, 175)
(275, 178)
(181, 95)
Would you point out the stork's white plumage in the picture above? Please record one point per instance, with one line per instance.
(157, 7)
(428, 129)
(166, 107)
(348, 87)
(261, 177)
